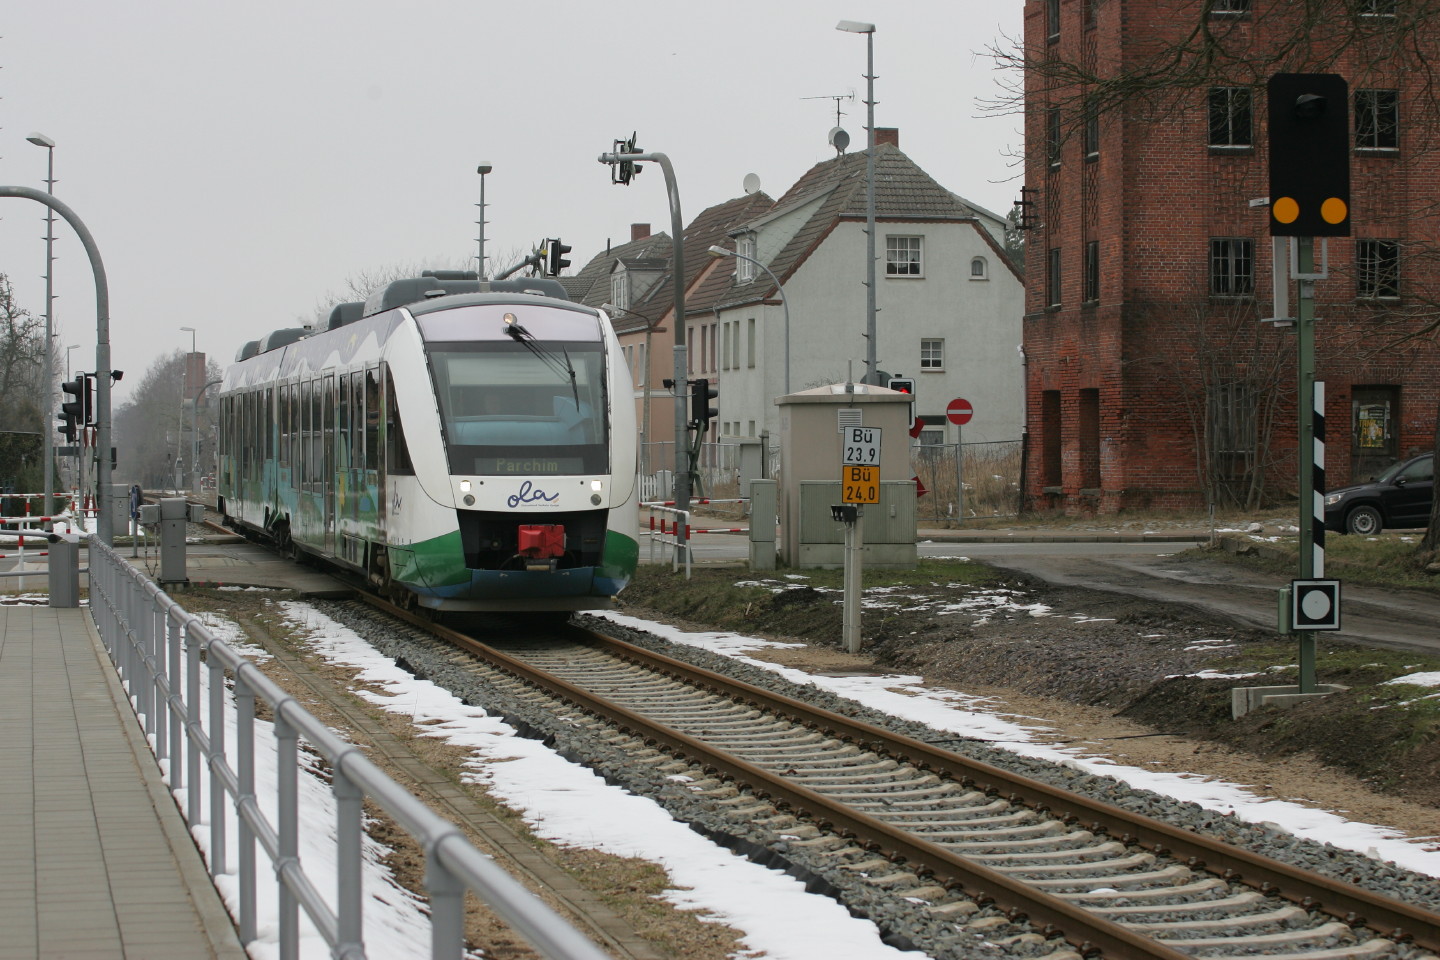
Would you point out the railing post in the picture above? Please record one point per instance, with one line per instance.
(447, 907)
(173, 642)
(287, 798)
(192, 724)
(162, 706)
(349, 833)
(216, 760)
(245, 797)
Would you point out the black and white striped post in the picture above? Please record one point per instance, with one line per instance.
(1317, 488)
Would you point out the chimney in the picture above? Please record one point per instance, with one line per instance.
(639, 231)
(890, 135)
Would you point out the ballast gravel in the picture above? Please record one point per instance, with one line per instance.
(903, 923)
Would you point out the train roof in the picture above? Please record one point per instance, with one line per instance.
(413, 291)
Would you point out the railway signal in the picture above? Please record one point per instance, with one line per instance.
(1309, 155)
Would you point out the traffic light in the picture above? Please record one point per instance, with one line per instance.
(701, 412)
(555, 256)
(625, 170)
(87, 396)
(72, 412)
(1309, 155)
(906, 385)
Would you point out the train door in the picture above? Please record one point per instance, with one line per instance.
(374, 476)
(327, 447)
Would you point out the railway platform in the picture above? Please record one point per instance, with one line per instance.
(95, 859)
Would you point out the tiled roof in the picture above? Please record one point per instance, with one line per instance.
(591, 286)
(903, 191)
(709, 228)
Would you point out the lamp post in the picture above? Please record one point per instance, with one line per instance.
(626, 162)
(483, 169)
(48, 430)
(195, 436)
(852, 26)
(718, 251)
(645, 406)
(180, 428)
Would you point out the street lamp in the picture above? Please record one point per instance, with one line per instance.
(40, 140)
(180, 427)
(645, 408)
(195, 436)
(483, 169)
(718, 251)
(853, 26)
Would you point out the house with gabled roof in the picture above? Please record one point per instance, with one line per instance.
(949, 298)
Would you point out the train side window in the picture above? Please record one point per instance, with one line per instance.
(267, 423)
(397, 452)
(346, 438)
(372, 418)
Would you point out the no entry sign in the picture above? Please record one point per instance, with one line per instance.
(959, 412)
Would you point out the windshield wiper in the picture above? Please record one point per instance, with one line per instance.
(565, 370)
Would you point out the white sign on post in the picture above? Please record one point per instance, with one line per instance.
(860, 447)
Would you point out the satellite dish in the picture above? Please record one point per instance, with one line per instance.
(751, 183)
(839, 139)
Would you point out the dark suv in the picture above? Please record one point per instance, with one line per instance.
(1399, 497)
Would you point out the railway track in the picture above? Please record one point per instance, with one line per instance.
(955, 855)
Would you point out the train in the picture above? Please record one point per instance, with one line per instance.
(463, 445)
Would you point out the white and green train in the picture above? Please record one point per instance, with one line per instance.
(464, 445)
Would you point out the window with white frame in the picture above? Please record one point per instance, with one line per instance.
(745, 247)
(620, 290)
(903, 257)
(932, 353)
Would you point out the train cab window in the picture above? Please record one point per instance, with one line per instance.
(513, 408)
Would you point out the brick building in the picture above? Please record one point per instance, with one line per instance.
(1152, 380)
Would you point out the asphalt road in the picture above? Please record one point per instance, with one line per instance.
(1400, 620)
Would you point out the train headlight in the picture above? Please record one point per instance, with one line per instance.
(595, 499)
(464, 486)
(597, 485)
(469, 499)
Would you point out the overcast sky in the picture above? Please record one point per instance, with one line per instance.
(239, 162)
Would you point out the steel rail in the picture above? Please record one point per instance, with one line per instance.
(1091, 933)
(1353, 905)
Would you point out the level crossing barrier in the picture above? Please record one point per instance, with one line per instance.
(159, 650)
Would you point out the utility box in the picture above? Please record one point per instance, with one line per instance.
(64, 570)
(118, 502)
(811, 455)
(174, 515)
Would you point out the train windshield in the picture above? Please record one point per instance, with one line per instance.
(512, 407)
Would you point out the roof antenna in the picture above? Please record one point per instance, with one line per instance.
(838, 138)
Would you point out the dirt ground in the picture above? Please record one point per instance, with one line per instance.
(1109, 674)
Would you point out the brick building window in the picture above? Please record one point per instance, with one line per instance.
(1052, 20)
(903, 257)
(1377, 119)
(1092, 272)
(1232, 267)
(1052, 279)
(1091, 9)
(1377, 269)
(1052, 136)
(1229, 8)
(1230, 117)
(932, 353)
(1092, 131)
(1231, 431)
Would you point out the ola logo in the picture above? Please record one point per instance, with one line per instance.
(1334, 210)
(1285, 210)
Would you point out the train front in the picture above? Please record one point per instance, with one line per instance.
(538, 424)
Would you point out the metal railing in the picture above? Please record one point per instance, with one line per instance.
(160, 649)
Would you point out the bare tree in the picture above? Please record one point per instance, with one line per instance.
(153, 426)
